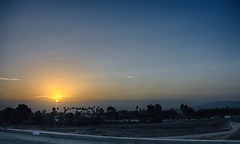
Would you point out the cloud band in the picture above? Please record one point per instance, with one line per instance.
(9, 79)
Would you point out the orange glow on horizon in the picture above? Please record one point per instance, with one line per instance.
(56, 90)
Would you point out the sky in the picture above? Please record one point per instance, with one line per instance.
(88, 50)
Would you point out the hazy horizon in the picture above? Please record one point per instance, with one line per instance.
(118, 104)
(136, 50)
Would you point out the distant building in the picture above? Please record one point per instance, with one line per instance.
(227, 117)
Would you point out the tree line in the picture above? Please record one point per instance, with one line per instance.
(81, 116)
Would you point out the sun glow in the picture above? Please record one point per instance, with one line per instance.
(58, 90)
(63, 88)
(57, 97)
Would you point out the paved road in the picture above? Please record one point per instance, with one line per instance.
(14, 138)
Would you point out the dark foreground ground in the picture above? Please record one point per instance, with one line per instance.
(16, 136)
(13, 138)
(211, 129)
(166, 129)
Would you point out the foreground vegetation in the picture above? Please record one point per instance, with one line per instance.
(23, 115)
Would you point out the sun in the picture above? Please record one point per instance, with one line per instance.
(57, 97)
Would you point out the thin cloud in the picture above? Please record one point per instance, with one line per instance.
(131, 77)
(9, 79)
(41, 96)
(52, 97)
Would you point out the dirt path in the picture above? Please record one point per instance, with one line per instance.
(235, 126)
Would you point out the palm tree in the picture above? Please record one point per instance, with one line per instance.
(137, 108)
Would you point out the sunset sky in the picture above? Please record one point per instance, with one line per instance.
(77, 50)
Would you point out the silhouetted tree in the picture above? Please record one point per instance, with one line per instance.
(111, 109)
(101, 111)
(157, 118)
(23, 112)
(170, 114)
(82, 116)
(158, 108)
(69, 118)
(9, 115)
(150, 108)
(187, 111)
(51, 117)
(112, 112)
(61, 118)
(137, 108)
(38, 118)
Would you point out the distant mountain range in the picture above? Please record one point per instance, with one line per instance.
(218, 104)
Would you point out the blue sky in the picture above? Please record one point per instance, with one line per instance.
(119, 50)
